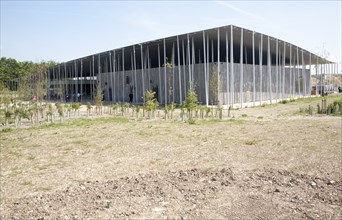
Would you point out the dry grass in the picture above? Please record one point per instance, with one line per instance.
(52, 157)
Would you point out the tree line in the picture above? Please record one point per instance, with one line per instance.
(13, 70)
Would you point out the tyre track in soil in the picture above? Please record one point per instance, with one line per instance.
(190, 194)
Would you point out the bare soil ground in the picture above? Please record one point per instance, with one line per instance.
(265, 163)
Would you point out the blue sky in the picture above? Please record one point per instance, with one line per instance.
(66, 30)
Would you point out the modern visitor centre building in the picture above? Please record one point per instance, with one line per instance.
(228, 65)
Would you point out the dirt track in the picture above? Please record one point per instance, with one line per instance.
(272, 164)
(192, 194)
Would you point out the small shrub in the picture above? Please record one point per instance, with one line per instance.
(191, 121)
(244, 115)
(284, 101)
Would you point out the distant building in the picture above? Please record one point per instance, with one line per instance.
(251, 67)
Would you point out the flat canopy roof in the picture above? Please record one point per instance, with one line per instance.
(291, 51)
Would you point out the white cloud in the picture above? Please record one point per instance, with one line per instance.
(239, 10)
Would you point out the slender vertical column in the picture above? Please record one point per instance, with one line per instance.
(99, 69)
(123, 75)
(218, 64)
(179, 73)
(253, 51)
(192, 60)
(241, 69)
(299, 93)
(310, 85)
(188, 46)
(260, 67)
(111, 75)
(173, 71)
(320, 77)
(269, 67)
(165, 87)
(208, 63)
(132, 82)
(81, 80)
(56, 82)
(212, 51)
(283, 87)
(291, 90)
(47, 83)
(317, 67)
(303, 75)
(53, 80)
(232, 66)
(227, 70)
(114, 76)
(135, 88)
(277, 71)
(159, 75)
(184, 75)
(205, 70)
(76, 80)
(59, 80)
(148, 68)
(66, 80)
(93, 85)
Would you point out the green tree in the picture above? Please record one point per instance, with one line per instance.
(191, 101)
(98, 98)
(151, 103)
(214, 86)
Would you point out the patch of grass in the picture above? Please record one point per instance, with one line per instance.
(260, 117)
(145, 133)
(27, 183)
(31, 157)
(83, 122)
(233, 121)
(251, 142)
(5, 130)
(43, 188)
(236, 121)
(79, 142)
(15, 154)
(307, 100)
(244, 115)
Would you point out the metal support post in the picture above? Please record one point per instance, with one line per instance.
(123, 75)
(218, 64)
(188, 46)
(241, 69)
(135, 88)
(291, 90)
(179, 73)
(232, 87)
(159, 74)
(283, 87)
(269, 68)
(165, 87)
(81, 78)
(253, 51)
(205, 70)
(260, 66)
(277, 71)
(227, 70)
(184, 75)
(111, 75)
